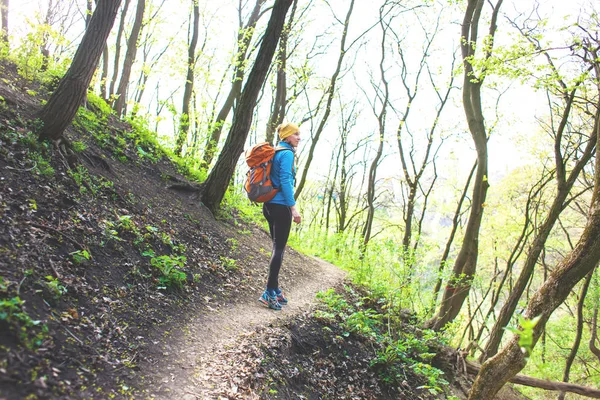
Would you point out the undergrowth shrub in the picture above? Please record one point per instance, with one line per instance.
(396, 349)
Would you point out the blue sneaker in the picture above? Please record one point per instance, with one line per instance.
(280, 297)
(269, 301)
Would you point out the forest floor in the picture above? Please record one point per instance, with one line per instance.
(112, 285)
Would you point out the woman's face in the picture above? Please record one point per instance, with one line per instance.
(294, 139)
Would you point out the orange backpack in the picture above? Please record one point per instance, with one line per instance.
(258, 183)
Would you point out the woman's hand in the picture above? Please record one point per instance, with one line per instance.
(295, 215)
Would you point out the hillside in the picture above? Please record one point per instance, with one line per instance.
(112, 285)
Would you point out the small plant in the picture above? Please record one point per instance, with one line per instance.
(30, 332)
(56, 288)
(125, 224)
(169, 268)
(78, 146)
(233, 244)
(80, 256)
(86, 182)
(109, 233)
(525, 333)
(229, 263)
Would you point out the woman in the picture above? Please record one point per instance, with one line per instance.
(281, 210)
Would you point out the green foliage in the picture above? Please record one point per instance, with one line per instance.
(81, 256)
(144, 140)
(29, 331)
(395, 349)
(31, 63)
(229, 263)
(55, 287)
(88, 183)
(39, 156)
(78, 146)
(171, 275)
(100, 107)
(525, 332)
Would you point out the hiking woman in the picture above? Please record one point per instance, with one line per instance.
(281, 210)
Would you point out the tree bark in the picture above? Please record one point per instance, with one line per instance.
(62, 106)
(594, 334)
(4, 11)
(184, 120)
(117, 60)
(132, 43)
(280, 103)
(244, 39)
(459, 284)
(213, 189)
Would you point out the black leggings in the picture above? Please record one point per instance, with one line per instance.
(280, 223)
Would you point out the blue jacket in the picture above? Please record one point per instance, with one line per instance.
(283, 175)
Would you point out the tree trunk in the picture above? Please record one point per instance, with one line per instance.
(117, 60)
(104, 75)
(4, 4)
(459, 284)
(383, 96)
(129, 58)
(594, 334)
(577, 341)
(330, 95)
(280, 104)
(44, 44)
(455, 222)
(213, 189)
(184, 120)
(62, 106)
(244, 39)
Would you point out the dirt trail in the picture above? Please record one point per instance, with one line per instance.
(183, 373)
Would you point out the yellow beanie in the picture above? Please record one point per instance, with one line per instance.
(285, 130)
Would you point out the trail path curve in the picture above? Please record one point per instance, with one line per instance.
(187, 362)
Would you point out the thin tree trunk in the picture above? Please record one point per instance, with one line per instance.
(184, 120)
(381, 119)
(455, 221)
(117, 60)
(458, 287)
(44, 45)
(129, 58)
(578, 335)
(62, 106)
(89, 9)
(104, 76)
(244, 39)
(280, 104)
(4, 11)
(330, 95)
(594, 334)
(213, 189)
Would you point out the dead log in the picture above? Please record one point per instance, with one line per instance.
(519, 379)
